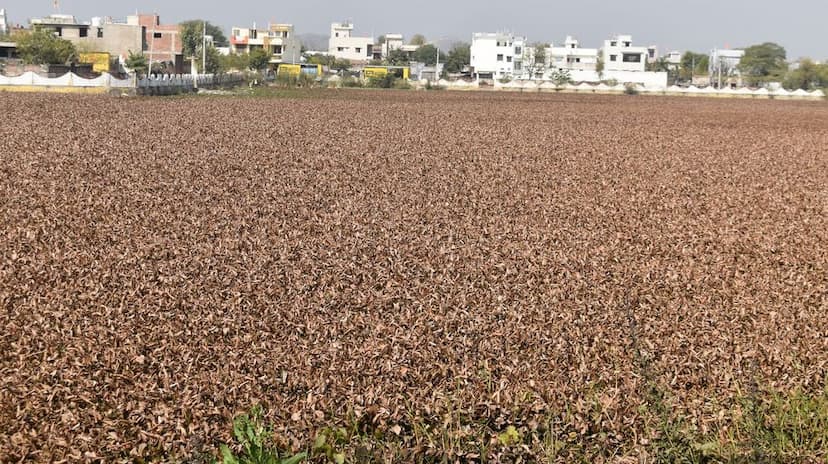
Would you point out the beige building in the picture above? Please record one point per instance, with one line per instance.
(99, 35)
(279, 40)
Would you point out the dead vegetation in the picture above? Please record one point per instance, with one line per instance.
(414, 277)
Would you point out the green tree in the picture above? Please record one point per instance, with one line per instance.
(763, 63)
(214, 61)
(397, 57)
(324, 60)
(385, 82)
(693, 64)
(341, 65)
(191, 35)
(418, 39)
(43, 47)
(381, 39)
(427, 54)
(659, 65)
(561, 77)
(235, 61)
(662, 65)
(258, 59)
(458, 57)
(807, 76)
(136, 62)
(537, 64)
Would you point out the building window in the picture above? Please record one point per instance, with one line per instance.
(100, 33)
(59, 31)
(500, 57)
(508, 59)
(156, 35)
(613, 44)
(337, 34)
(84, 32)
(517, 66)
(359, 49)
(577, 60)
(632, 58)
(627, 44)
(572, 46)
(613, 57)
(340, 49)
(518, 50)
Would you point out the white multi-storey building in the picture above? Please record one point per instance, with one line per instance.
(724, 67)
(4, 22)
(572, 57)
(279, 40)
(497, 55)
(724, 59)
(673, 57)
(395, 42)
(343, 45)
(619, 54)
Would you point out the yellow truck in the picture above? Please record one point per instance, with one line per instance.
(294, 70)
(99, 60)
(401, 72)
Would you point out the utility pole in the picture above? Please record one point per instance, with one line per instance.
(152, 43)
(693, 69)
(204, 47)
(437, 66)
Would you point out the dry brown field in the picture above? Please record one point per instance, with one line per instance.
(417, 276)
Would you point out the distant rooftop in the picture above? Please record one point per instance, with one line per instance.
(56, 19)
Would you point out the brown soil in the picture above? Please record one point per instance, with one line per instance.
(389, 259)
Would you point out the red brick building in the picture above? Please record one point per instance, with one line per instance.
(162, 42)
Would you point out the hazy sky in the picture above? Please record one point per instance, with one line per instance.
(798, 25)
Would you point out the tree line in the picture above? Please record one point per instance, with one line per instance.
(761, 64)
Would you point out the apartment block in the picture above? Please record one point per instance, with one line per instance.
(99, 35)
(497, 55)
(279, 40)
(725, 60)
(619, 54)
(395, 42)
(571, 56)
(162, 42)
(342, 44)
